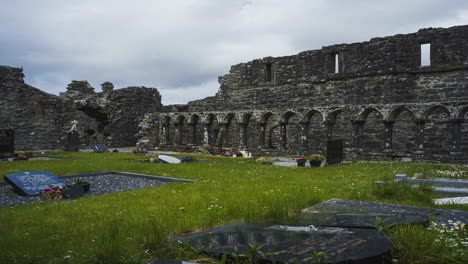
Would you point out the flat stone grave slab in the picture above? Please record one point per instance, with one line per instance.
(32, 182)
(341, 245)
(101, 183)
(356, 220)
(441, 216)
(169, 159)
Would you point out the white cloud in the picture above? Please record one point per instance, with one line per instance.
(183, 45)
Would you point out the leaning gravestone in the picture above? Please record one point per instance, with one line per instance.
(169, 159)
(32, 182)
(97, 148)
(7, 141)
(287, 243)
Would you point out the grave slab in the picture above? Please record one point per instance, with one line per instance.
(356, 220)
(452, 200)
(32, 182)
(341, 245)
(441, 216)
(169, 159)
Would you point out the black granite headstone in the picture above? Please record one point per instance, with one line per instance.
(286, 243)
(356, 220)
(7, 141)
(72, 141)
(335, 151)
(32, 182)
(97, 148)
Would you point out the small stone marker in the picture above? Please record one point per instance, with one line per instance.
(32, 182)
(97, 148)
(169, 159)
(341, 245)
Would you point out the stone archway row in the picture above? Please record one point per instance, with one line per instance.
(214, 126)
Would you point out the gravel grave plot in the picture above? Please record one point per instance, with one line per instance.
(100, 184)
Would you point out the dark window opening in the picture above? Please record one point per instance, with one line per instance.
(425, 54)
(337, 63)
(269, 73)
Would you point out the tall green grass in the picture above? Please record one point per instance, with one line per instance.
(133, 226)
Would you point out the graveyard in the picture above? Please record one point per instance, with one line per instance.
(257, 201)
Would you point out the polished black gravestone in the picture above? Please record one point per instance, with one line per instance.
(72, 141)
(32, 182)
(334, 151)
(356, 220)
(341, 245)
(7, 141)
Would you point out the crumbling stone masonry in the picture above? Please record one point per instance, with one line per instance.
(40, 120)
(384, 98)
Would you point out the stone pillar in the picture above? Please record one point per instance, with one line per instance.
(193, 128)
(304, 141)
(221, 135)
(420, 123)
(163, 137)
(243, 135)
(456, 137)
(329, 130)
(206, 135)
(178, 134)
(283, 136)
(388, 134)
(358, 127)
(261, 135)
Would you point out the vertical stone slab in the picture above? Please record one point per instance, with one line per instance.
(7, 141)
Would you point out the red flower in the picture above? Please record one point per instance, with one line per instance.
(300, 159)
(47, 190)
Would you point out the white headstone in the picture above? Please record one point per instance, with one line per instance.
(169, 159)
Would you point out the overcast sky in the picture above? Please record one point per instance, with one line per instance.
(182, 46)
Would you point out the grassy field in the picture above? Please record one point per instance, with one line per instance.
(133, 226)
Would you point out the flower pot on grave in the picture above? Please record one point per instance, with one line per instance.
(301, 163)
(73, 191)
(85, 186)
(315, 163)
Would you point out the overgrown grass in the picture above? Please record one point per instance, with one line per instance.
(133, 226)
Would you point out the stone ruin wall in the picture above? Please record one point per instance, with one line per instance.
(40, 120)
(382, 103)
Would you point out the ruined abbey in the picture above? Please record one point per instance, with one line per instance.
(399, 96)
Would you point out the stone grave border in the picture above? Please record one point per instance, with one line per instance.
(129, 174)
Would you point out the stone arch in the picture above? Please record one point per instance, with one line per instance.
(291, 136)
(341, 127)
(196, 129)
(404, 130)
(397, 110)
(182, 131)
(168, 130)
(313, 120)
(437, 132)
(362, 116)
(270, 134)
(431, 109)
(211, 129)
(373, 137)
(231, 137)
(251, 131)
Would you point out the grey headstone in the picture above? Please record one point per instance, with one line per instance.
(169, 159)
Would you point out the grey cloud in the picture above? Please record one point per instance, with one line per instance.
(181, 46)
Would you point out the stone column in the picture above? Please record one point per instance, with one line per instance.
(358, 127)
(456, 137)
(261, 135)
(206, 135)
(420, 123)
(221, 135)
(329, 130)
(283, 136)
(163, 137)
(388, 134)
(242, 136)
(193, 128)
(304, 141)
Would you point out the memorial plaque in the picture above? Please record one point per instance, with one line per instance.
(7, 141)
(356, 245)
(356, 220)
(103, 147)
(169, 159)
(335, 151)
(32, 182)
